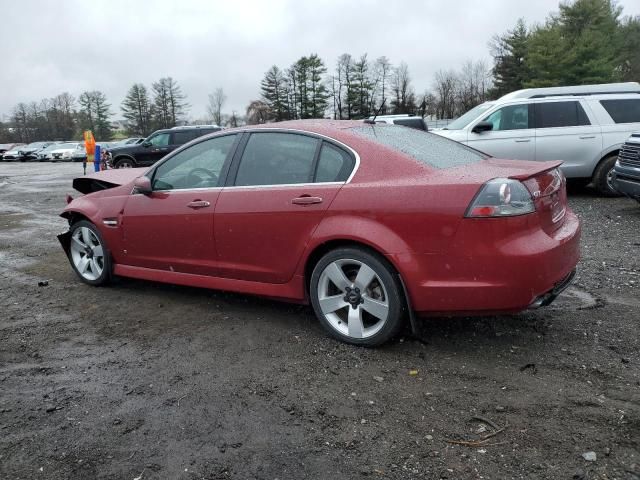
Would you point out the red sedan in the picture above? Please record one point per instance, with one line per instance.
(370, 223)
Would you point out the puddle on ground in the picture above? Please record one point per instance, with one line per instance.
(575, 298)
(9, 221)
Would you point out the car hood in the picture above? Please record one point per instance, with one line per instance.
(107, 179)
(125, 148)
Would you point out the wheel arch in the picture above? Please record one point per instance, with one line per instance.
(604, 155)
(321, 249)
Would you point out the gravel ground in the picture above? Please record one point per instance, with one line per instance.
(142, 380)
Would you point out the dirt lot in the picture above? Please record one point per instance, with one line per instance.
(143, 380)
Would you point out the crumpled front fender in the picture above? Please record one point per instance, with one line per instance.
(65, 241)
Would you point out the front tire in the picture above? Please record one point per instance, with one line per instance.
(603, 175)
(88, 254)
(357, 297)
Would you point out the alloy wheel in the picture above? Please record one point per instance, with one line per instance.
(353, 298)
(87, 253)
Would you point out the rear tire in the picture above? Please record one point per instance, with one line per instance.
(124, 163)
(603, 175)
(89, 255)
(357, 296)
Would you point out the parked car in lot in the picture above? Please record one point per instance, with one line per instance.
(626, 174)
(365, 222)
(156, 146)
(7, 147)
(584, 126)
(43, 155)
(30, 152)
(13, 154)
(64, 152)
(411, 121)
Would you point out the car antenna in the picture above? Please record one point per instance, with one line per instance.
(373, 120)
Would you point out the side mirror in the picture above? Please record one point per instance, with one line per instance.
(146, 144)
(142, 185)
(482, 127)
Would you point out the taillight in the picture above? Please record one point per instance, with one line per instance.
(501, 197)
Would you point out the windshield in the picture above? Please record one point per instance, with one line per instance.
(461, 122)
(36, 145)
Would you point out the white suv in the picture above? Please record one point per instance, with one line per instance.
(584, 126)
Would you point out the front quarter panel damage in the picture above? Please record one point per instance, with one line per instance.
(97, 207)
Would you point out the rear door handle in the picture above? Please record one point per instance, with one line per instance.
(584, 137)
(524, 140)
(198, 204)
(306, 200)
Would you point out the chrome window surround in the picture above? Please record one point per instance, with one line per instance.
(258, 130)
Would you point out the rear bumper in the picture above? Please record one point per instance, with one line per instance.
(493, 267)
(551, 295)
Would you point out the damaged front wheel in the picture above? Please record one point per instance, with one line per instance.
(88, 253)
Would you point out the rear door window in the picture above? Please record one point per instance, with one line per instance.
(623, 110)
(180, 138)
(274, 158)
(560, 114)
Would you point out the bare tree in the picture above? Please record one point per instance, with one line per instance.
(472, 86)
(217, 100)
(383, 70)
(444, 87)
(404, 100)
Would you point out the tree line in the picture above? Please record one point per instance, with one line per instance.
(586, 41)
(65, 117)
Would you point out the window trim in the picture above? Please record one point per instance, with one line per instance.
(246, 134)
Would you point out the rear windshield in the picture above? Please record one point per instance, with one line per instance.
(427, 148)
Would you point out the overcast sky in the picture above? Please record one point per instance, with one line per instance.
(51, 47)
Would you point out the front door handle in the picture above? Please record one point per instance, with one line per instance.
(306, 200)
(523, 140)
(585, 137)
(198, 204)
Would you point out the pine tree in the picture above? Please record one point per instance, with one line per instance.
(509, 51)
(94, 114)
(318, 96)
(580, 45)
(136, 109)
(274, 93)
(169, 103)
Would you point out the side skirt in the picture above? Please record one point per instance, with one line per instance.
(292, 291)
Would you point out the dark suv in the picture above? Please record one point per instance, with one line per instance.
(626, 173)
(156, 146)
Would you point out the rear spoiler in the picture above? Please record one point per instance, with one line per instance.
(543, 167)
